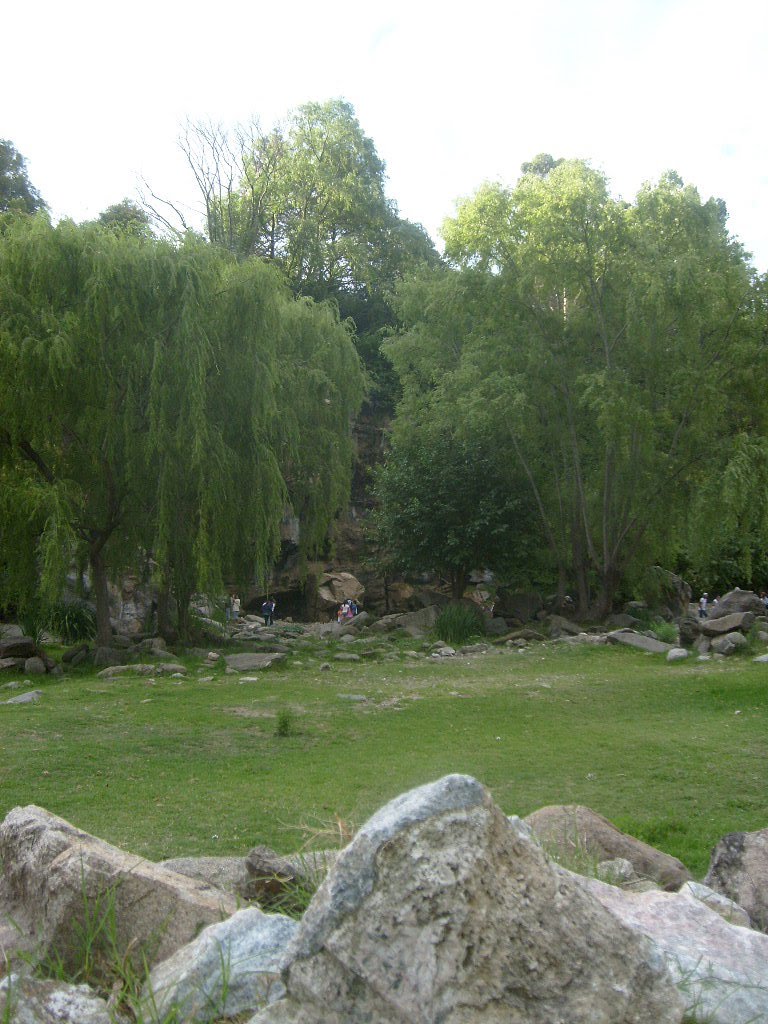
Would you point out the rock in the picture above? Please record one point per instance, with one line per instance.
(250, 662)
(52, 870)
(136, 668)
(738, 869)
(336, 587)
(441, 909)
(26, 1000)
(270, 876)
(231, 968)
(523, 605)
(423, 619)
(18, 647)
(72, 653)
(30, 697)
(677, 654)
(496, 626)
(761, 659)
(729, 910)
(668, 592)
(617, 871)
(689, 630)
(34, 667)
(573, 831)
(736, 601)
(742, 621)
(729, 643)
(630, 638)
(560, 626)
(623, 621)
(226, 873)
(346, 657)
(719, 967)
(11, 663)
(444, 652)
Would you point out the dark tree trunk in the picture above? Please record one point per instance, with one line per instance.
(459, 580)
(164, 625)
(101, 593)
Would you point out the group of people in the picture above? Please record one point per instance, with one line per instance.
(347, 610)
(232, 609)
(704, 603)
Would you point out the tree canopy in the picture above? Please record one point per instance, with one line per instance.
(599, 342)
(17, 193)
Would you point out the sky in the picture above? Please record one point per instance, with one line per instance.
(95, 94)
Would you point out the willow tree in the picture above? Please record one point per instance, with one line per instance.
(140, 387)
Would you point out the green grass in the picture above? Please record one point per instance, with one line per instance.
(190, 767)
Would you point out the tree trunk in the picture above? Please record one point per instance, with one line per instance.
(164, 626)
(609, 582)
(459, 580)
(101, 593)
(182, 612)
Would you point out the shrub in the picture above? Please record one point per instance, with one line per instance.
(664, 631)
(284, 725)
(74, 622)
(457, 623)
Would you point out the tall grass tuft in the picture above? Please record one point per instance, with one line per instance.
(458, 623)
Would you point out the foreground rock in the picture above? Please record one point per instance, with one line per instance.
(231, 968)
(442, 909)
(720, 967)
(738, 868)
(54, 873)
(575, 833)
(252, 662)
(32, 1001)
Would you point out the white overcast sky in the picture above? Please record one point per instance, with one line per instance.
(94, 94)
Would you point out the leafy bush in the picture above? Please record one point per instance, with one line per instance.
(284, 726)
(664, 631)
(457, 623)
(74, 622)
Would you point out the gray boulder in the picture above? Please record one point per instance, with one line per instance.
(677, 654)
(629, 638)
(689, 630)
(738, 868)
(30, 697)
(742, 621)
(720, 968)
(573, 832)
(736, 601)
(729, 643)
(18, 647)
(442, 909)
(231, 968)
(25, 1000)
(226, 873)
(53, 872)
(253, 662)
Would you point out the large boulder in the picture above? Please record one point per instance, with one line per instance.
(55, 876)
(736, 601)
(252, 662)
(720, 967)
(721, 624)
(333, 588)
(574, 832)
(738, 868)
(442, 909)
(420, 621)
(231, 968)
(226, 873)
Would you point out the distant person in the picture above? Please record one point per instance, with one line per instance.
(235, 607)
(228, 608)
(268, 611)
(703, 601)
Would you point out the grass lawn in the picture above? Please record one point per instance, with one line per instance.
(673, 754)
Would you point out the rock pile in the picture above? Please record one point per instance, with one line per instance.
(440, 909)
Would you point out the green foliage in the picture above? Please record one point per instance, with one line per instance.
(17, 193)
(457, 623)
(446, 505)
(664, 631)
(164, 398)
(285, 722)
(73, 622)
(590, 339)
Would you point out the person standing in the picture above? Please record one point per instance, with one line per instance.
(703, 601)
(235, 607)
